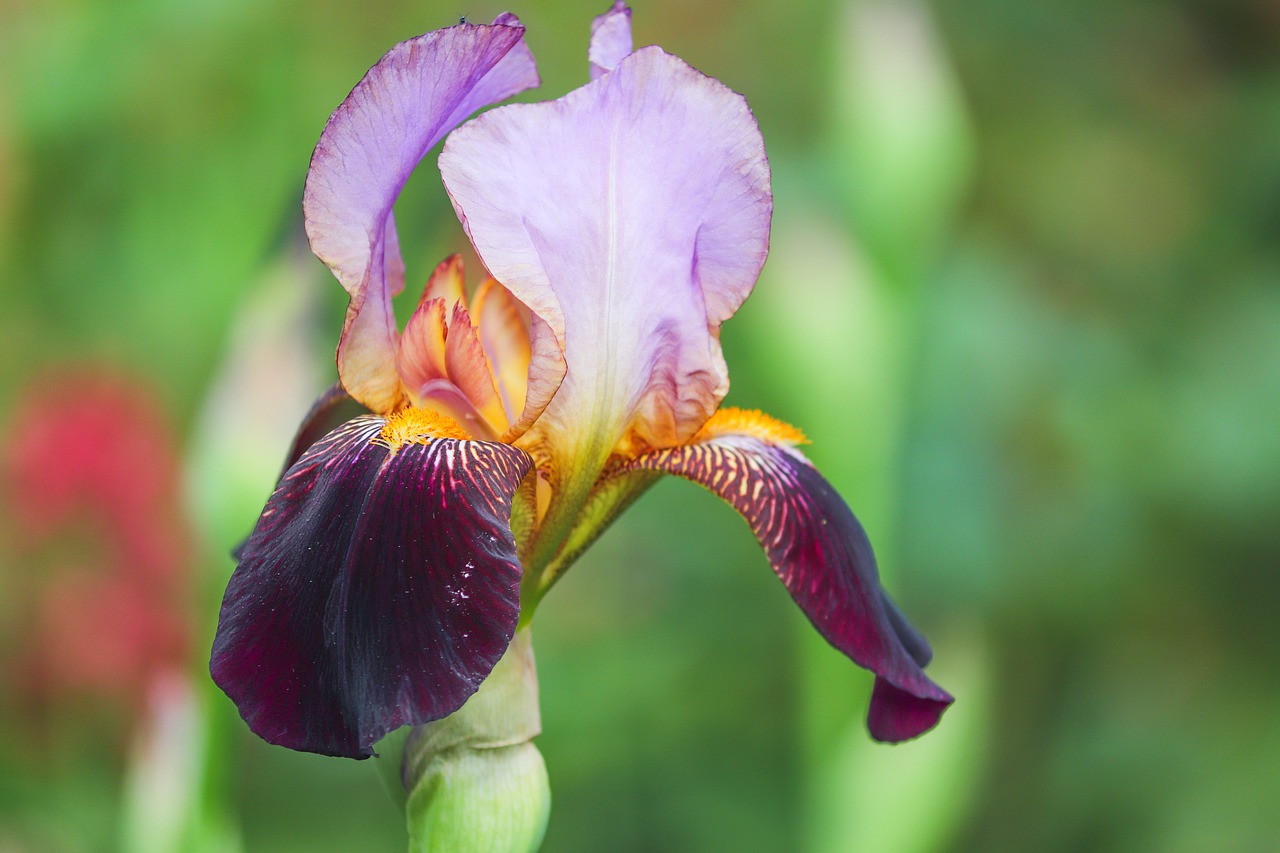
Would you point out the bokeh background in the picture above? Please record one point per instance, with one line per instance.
(1024, 297)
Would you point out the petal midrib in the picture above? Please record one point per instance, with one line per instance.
(583, 466)
(604, 401)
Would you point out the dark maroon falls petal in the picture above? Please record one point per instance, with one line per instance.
(377, 590)
(822, 555)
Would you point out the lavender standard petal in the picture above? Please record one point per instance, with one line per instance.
(419, 91)
(610, 39)
(633, 216)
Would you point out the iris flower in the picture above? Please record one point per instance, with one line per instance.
(620, 226)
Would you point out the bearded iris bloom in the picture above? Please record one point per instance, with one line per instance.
(620, 226)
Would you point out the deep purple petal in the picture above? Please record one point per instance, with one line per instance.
(377, 590)
(633, 216)
(610, 39)
(408, 101)
(823, 557)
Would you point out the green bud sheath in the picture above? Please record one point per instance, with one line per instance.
(482, 800)
(475, 781)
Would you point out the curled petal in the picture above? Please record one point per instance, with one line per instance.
(632, 216)
(442, 364)
(367, 347)
(420, 358)
(408, 101)
(503, 325)
(469, 369)
(378, 589)
(447, 282)
(547, 367)
(610, 39)
(822, 555)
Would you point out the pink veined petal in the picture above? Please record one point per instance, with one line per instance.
(632, 215)
(330, 410)
(610, 39)
(408, 101)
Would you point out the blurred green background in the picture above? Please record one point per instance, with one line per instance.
(1024, 296)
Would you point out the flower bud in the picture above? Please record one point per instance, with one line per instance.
(489, 800)
(475, 781)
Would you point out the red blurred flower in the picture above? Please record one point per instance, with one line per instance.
(98, 543)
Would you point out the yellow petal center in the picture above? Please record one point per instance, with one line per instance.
(417, 426)
(752, 422)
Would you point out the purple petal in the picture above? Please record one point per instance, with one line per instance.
(633, 216)
(377, 590)
(610, 39)
(821, 554)
(416, 94)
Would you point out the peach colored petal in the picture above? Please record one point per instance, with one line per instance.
(468, 369)
(421, 357)
(367, 350)
(503, 326)
(547, 369)
(447, 282)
